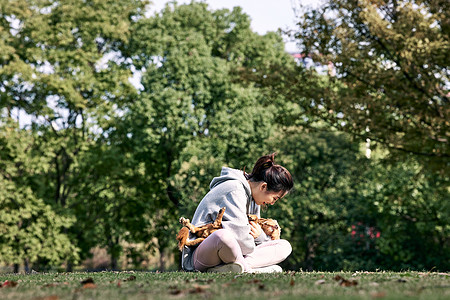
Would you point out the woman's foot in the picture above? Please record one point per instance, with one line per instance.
(268, 269)
(227, 268)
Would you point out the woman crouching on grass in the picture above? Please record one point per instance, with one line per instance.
(240, 246)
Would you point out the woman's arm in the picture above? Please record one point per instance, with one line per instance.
(235, 220)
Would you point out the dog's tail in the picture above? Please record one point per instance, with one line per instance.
(182, 237)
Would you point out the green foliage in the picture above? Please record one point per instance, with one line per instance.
(103, 164)
(411, 210)
(63, 68)
(108, 203)
(197, 109)
(349, 212)
(391, 60)
(327, 169)
(29, 229)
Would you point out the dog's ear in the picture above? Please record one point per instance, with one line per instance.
(182, 237)
(271, 228)
(253, 218)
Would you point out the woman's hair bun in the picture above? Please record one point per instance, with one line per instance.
(277, 178)
(267, 164)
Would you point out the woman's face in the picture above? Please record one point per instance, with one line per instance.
(264, 197)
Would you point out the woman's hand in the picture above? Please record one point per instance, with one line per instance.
(255, 229)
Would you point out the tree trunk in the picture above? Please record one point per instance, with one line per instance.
(16, 268)
(113, 263)
(26, 266)
(69, 267)
(309, 255)
(113, 245)
(162, 260)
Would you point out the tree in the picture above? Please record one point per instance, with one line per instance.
(63, 68)
(315, 217)
(348, 212)
(30, 230)
(198, 103)
(391, 83)
(408, 205)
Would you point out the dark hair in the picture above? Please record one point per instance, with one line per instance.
(277, 177)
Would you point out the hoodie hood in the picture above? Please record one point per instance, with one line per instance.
(231, 174)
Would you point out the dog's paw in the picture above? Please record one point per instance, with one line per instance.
(184, 221)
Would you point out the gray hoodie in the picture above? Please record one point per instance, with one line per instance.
(231, 190)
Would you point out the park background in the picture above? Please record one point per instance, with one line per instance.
(130, 114)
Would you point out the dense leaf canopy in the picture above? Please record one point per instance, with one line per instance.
(113, 122)
(391, 63)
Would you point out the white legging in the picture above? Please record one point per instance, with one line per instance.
(222, 247)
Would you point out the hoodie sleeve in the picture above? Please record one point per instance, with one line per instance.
(235, 220)
(256, 210)
(262, 238)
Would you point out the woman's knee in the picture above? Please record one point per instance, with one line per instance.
(224, 236)
(285, 247)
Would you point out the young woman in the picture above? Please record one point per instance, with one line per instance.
(240, 246)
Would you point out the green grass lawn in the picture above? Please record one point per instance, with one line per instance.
(174, 285)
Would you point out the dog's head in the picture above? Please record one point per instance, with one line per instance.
(271, 228)
(252, 218)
